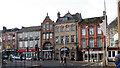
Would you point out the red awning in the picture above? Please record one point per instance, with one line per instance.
(24, 50)
(21, 50)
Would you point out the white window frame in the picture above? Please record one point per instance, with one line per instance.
(91, 42)
(91, 31)
(43, 27)
(20, 35)
(25, 34)
(99, 30)
(36, 34)
(50, 26)
(50, 35)
(31, 43)
(31, 34)
(25, 43)
(43, 36)
(20, 44)
(83, 32)
(47, 36)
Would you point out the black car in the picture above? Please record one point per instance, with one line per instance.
(5, 57)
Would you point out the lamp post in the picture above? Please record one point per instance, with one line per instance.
(88, 46)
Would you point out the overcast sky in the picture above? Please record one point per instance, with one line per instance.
(17, 13)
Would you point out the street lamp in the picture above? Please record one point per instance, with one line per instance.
(88, 46)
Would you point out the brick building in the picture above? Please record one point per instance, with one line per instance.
(9, 40)
(91, 38)
(66, 29)
(47, 38)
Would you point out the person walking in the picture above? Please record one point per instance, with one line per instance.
(61, 60)
(64, 61)
(117, 60)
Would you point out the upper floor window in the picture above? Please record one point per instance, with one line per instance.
(61, 38)
(50, 35)
(25, 44)
(57, 29)
(99, 42)
(67, 28)
(91, 32)
(25, 34)
(72, 38)
(67, 39)
(62, 28)
(111, 31)
(36, 34)
(47, 27)
(43, 27)
(83, 43)
(31, 34)
(50, 27)
(91, 42)
(31, 43)
(99, 30)
(20, 35)
(43, 36)
(13, 37)
(20, 44)
(57, 40)
(72, 28)
(111, 42)
(3, 37)
(83, 32)
(47, 36)
(9, 37)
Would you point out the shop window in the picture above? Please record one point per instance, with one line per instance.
(109, 54)
(113, 54)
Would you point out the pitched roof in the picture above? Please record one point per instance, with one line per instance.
(91, 20)
(32, 28)
(10, 30)
(113, 23)
(69, 17)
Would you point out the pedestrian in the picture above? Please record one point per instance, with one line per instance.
(21, 57)
(117, 60)
(61, 60)
(64, 61)
(10, 57)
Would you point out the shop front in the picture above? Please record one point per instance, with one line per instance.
(48, 51)
(24, 52)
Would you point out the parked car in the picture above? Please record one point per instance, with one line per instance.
(35, 58)
(28, 58)
(17, 57)
(5, 57)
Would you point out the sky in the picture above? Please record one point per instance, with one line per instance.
(18, 13)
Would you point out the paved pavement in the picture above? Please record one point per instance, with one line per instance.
(51, 63)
